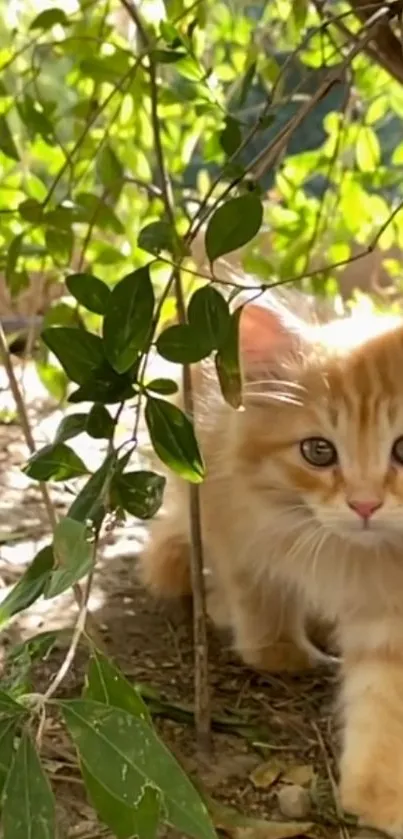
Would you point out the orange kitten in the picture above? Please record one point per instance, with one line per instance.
(302, 513)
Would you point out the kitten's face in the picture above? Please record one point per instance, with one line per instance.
(341, 451)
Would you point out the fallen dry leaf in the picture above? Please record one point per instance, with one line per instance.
(266, 774)
(302, 774)
(238, 826)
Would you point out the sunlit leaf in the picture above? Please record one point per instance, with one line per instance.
(367, 150)
(90, 292)
(139, 493)
(28, 802)
(29, 587)
(233, 224)
(173, 439)
(56, 462)
(123, 753)
(128, 320)
(74, 556)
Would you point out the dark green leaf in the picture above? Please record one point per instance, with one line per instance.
(139, 493)
(7, 144)
(173, 439)
(209, 316)
(166, 387)
(161, 236)
(246, 84)
(125, 822)
(92, 499)
(231, 136)
(59, 244)
(227, 364)
(182, 345)
(105, 386)
(168, 56)
(31, 210)
(29, 587)
(71, 426)
(28, 803)
(100, 424)
(233, 225)
(20, 659)
(8, 730)
(128, 321)
(74, 556)
(49, 18)
(90, 292)
(106, 683)
(14, 251)
(80, 352)
(57, 463)
(123, 753)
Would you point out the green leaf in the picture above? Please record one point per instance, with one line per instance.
(367, 150)
(74, 556)
(71, 426)
(125, 822)
(28, 803)
(160, 236)
(231, 136)
(139, 493)
(7, 144)
(100, 424)
(106, 683)
(123, 753)
(181, 345)
(209, 316)
(105, 386)
(227, 364)
(54, 379)
(128, 321)
(8, 730)
(80, 352)
(90, 292)
(14, 251)
(90, 502)
(233, 225)
(173, 439)
(10, 708)
(31, 210)
(49, 18)
(166, 387)
(55, 463)
(29, 587)
(59, 244)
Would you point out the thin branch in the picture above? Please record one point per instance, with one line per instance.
(202, 698)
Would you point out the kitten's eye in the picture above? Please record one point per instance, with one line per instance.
(320, 452)
(397, 450)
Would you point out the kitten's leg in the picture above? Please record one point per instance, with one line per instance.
(268, 632)
(372, 759)
(164, 565)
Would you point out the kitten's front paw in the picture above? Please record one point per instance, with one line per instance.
(281, 656)
(375, 794)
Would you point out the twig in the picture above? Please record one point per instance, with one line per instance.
(202, 698)
(339, 812)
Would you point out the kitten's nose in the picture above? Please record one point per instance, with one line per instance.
(365, 509)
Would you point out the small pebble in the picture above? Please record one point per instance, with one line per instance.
(294, 802)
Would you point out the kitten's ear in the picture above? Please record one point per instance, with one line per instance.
(267, 336)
